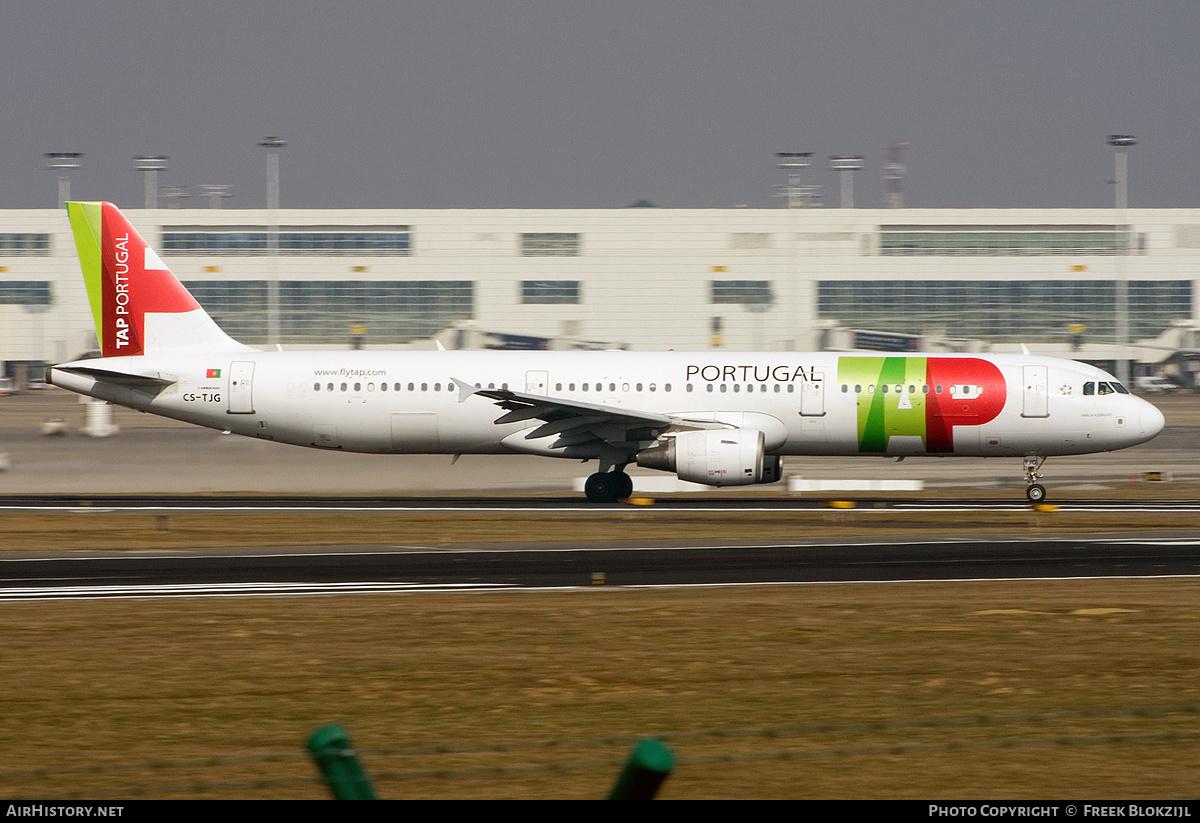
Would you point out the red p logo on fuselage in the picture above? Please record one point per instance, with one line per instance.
(965, 391)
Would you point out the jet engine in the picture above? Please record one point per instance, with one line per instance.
(715, 457)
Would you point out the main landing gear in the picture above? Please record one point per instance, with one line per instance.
(1035, 491)
(608, 487)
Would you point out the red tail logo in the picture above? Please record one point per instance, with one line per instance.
(134, 282)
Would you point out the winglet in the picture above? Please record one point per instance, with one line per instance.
(465, 390)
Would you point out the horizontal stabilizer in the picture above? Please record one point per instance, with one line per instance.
(110, 374)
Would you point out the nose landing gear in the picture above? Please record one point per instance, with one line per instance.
(1035, 491)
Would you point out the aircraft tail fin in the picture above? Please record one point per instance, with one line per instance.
(138, 305)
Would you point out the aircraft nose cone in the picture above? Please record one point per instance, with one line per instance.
(1152, 421)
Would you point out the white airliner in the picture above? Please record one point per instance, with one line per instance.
(717, 418)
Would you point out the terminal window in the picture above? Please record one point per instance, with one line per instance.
(24, 244)
(316, 241)
(534, 292)
(1018, 311)
(1006, 241)
(323, 312)
(25, 293)
(741, 291)
(549, 244)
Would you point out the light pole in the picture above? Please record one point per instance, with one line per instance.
(176, 194)
(894, 172)
(63, 162)
(847, 164)
(151, 165)
(273, 145)
(215, 192)
(793, 162)
(1121, 143)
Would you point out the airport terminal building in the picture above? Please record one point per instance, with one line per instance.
(641, 278)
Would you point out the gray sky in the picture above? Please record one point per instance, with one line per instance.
(563, 104)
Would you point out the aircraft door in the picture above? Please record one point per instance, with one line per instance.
(241, 387)
(537, 382)
(812, 396)
(1036, 392)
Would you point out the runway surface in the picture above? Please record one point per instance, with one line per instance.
(307, 571)
(680, 503)
(189, 469)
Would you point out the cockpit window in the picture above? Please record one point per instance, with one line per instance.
(1089, 388)
(1105, 388)
(1120, 389)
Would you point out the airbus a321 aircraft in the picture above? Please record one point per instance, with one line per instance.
(717, 418)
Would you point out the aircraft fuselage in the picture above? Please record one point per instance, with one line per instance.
(805, 403)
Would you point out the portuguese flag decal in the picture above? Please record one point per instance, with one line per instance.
(213, 373)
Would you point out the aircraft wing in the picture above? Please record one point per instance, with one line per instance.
(583, 427)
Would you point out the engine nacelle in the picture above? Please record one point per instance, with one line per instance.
(715, 457)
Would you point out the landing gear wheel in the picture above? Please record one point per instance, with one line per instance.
(608, 487)
(1034, 490)
(603, 487)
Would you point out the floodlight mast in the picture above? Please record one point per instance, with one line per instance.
(894, 172)
(151, 165)
(793, 162)
(215, 192)
(63, 162)
(1121, 142)
(847, 164)
(1121, 235)
(273, 145)
(176, 194)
